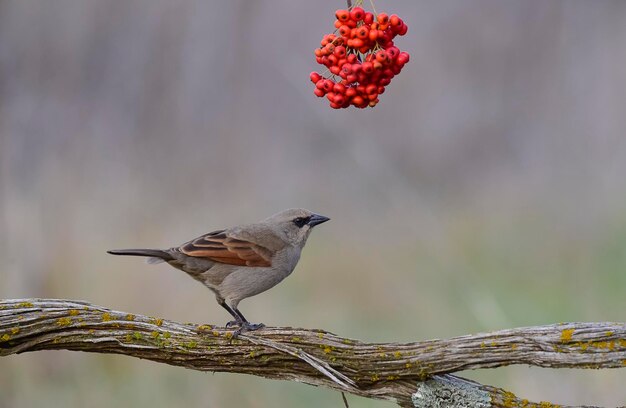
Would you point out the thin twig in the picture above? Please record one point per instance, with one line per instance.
(345, 400)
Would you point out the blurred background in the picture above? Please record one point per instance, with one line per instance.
(485, 191)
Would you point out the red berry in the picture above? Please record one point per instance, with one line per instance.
(381, 56)
(339, 99)
(342, 15)
(315, 77)
(382, 18)
(339, 88)
(362, 32)
(357, 43)
(344, 30)
(340, 51)
(357, 14)
(395, 21)
(368, 18)
(403, 29)
(393, 52)
(318, 92)
(403, 58)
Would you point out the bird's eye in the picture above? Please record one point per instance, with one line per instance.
(301, 221)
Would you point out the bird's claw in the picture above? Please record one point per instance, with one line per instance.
(247, 326)
(232, 323)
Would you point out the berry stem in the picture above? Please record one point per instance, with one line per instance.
(373, 8)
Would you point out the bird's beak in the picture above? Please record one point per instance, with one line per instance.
(317, 219)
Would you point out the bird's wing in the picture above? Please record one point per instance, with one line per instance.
(224, 247)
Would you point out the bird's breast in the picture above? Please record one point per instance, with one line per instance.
(287, 259)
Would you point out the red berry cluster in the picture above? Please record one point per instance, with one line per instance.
(362, 54)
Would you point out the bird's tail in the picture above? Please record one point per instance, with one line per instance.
(154, 255)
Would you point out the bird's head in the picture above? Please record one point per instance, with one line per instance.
(296, 224)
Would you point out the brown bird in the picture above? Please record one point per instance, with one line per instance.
(242, 261)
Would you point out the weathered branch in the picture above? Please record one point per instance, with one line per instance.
(376, 370)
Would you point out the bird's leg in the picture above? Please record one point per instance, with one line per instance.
(238, 319)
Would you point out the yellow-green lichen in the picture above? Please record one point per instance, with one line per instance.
(73, 312)
(328, 349)
(5, 337)
(130, 317)
(610, 345)
(346, 341)
(15, 330)
(191, 344)
(106, 317)
(397, 354)
(566, 335)
(167, 335)
(228, 335)
(64, 321)
(155, 334)
(509, 399)
(546, 404)
(25, 304)
(296, 339)
(137, 335)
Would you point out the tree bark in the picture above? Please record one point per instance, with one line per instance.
(390, 371)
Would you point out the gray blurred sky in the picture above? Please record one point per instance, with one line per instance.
(149, 122)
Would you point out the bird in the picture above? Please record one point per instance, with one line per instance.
(241, 261)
